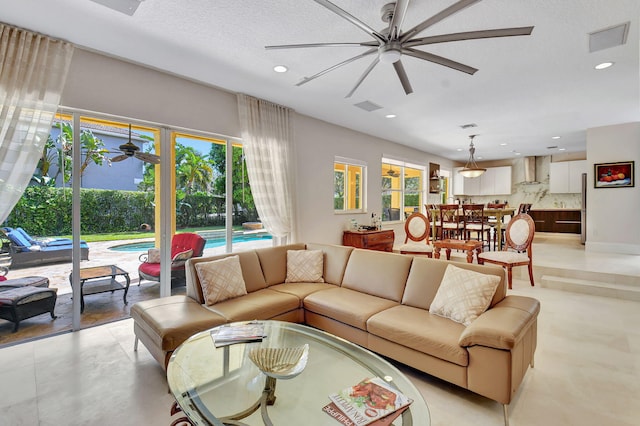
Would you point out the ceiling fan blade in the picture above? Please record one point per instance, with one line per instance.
(363, 76)
(398, 17)
(451, 10)
(355, 21)
(469, 35)
(118, 158)
(147, 157)
(323, 72)
(402, 75)
(298, 46)
(439, 60)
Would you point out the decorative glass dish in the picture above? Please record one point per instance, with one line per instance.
(280, 363)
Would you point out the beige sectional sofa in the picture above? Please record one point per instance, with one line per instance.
(378, 300)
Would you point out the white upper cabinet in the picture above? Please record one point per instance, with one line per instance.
(565, 176)
(495, 181)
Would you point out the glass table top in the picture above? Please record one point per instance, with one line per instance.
(211, 383)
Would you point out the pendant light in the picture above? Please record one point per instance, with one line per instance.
(471, 169)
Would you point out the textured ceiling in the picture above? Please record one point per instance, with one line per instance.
(527, 89)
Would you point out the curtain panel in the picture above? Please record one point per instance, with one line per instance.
(33, 70)
(268, 146)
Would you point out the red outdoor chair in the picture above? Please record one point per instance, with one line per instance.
(183, 247)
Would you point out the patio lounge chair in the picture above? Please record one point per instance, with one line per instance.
(47, 242)
(183, 247)
(24, 254)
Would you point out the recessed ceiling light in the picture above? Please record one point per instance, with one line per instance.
(390, 116)
(280, 68)
(561, 149)
(503, 144)
(603, 65)
(555, 137)
(459, 149)
(517, 153)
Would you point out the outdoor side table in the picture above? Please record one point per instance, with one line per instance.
(100, 279)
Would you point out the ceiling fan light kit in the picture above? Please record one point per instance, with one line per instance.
(391, 44)
(471, 169)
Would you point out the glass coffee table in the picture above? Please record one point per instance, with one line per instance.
(222, 386)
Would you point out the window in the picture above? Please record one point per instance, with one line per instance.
(348, 185)
(403, 189)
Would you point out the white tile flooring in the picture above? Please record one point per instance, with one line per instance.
(587, 371)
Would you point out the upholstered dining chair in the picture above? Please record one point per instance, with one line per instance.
(475, 223)
(417, 229)
(183, 247)
(517, 247)
(451, 226)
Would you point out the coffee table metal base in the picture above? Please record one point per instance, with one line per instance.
(467, 245)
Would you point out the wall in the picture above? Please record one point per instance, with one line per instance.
(107, 85)
(612, 213)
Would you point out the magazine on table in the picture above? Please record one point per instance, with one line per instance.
(238, 333)
(371, 402)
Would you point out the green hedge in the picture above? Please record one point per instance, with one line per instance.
(46, 211)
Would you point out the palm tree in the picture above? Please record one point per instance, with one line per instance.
(194, 171)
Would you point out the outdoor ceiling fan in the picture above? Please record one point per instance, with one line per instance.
(130, 149)
(390, 44)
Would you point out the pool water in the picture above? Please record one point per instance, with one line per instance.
(211, 242)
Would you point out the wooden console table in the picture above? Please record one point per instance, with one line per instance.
(467, 245)
(372, 240)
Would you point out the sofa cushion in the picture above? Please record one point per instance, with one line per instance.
(347, 306)
(251, 273)
(169, 321)
(463, 295)
(262, 304)
(335, 261)
(273, 261)
(304, 266)
(221, 279)
(301, 290)
(426, 274)
(418, 329)
(377, 273)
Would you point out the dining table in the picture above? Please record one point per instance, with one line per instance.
(499, 215)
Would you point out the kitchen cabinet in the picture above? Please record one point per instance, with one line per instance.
(565, 176)
(495, 181)
(557, 220)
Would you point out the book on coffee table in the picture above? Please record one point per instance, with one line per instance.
(238, 333)
(368, 402)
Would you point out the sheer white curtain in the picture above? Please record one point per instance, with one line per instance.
(33, 69)
(268, 146)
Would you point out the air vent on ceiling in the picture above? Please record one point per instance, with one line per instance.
(608, 37)
(367, 106)
(128, 7)
(469, 126)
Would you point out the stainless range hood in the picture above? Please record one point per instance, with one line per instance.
(530, 171)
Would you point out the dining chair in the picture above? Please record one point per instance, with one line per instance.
(417, 229)
(450, 224)
(492, 221)
(517, 247)
(433, 214)
(475, 222)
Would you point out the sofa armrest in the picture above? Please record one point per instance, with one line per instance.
(502, 326)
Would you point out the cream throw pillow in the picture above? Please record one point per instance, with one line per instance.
(463, 294)
(305, 266)
(183, 256)
(221, 279)
(153, 255)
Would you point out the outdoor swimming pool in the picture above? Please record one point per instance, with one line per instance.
(211, 242)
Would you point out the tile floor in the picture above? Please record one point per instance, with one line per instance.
(587, 371)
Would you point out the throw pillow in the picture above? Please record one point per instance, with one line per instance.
(183, 256)
(153, 256)
(463, 294)
(221, 279)
(305, 266)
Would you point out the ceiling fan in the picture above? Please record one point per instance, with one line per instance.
(390, 44)
(130, 149)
